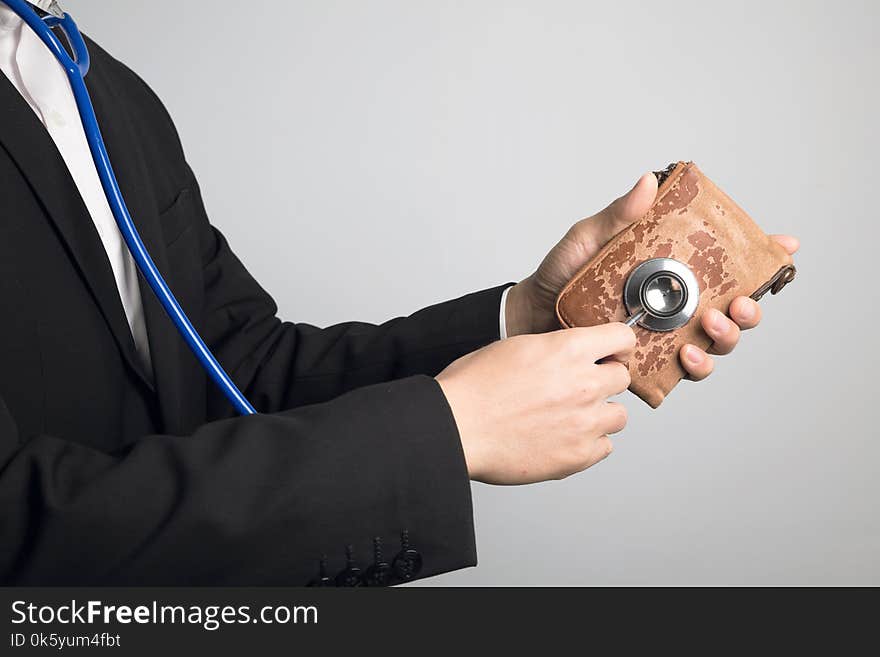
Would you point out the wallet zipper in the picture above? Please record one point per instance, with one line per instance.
(779, 280)
(665, 173)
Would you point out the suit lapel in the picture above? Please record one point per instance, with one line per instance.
(28, 143)
(133, 175)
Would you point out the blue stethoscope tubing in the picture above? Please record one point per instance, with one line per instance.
(76, 70)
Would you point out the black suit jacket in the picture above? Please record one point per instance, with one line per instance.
(112, 475)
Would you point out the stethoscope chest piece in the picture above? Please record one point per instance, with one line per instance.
(661, 294)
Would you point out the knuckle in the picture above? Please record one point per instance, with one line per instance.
(575, 231)
(622, 377)
(602, 448)
(627, 336)
(626, 377)
(557, 394)
(581, 228)
(618, 417)
(566, 466)
(559, 475)
(590, 388)
(563, 342)
(574, 345)
(586, 449)
(608, 446)
(586, 339)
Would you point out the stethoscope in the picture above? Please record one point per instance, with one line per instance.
(660, 294)
(76, 69)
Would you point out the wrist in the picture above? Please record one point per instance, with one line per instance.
(468, 434)
(517, 313)
(524, 313)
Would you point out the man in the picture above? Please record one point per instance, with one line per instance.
(121, 464)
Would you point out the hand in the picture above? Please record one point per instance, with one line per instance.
(535, 407)
(531, 303)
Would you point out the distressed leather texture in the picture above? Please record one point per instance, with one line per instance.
(692, 221)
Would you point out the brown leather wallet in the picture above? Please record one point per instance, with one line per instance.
(695, 223)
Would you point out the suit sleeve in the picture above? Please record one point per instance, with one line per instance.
(253, 500)
(356, 443)
(282, 365)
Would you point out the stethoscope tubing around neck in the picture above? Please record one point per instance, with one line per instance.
(76, 69)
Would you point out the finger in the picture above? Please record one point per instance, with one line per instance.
(788, 242)
(630, 207)
(745, 312)
(613, 378)
(590, 450)
(612, 418)
(696, 362)
(723, 331)
(590, 344)
(602, 448)
(614, 341)
(592, 233)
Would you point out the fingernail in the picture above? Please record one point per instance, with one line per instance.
(718, 321)
(693, 355)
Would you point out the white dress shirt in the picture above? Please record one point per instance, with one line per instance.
(502, 315)
(41, 81)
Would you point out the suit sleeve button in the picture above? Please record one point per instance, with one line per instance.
(408, 562)
(351, 576)
(379, 574)
(323, 579)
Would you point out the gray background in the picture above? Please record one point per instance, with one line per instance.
(369, 158)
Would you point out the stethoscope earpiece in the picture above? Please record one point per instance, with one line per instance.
(661, 294)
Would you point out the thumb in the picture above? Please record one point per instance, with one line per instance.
(630, 207)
